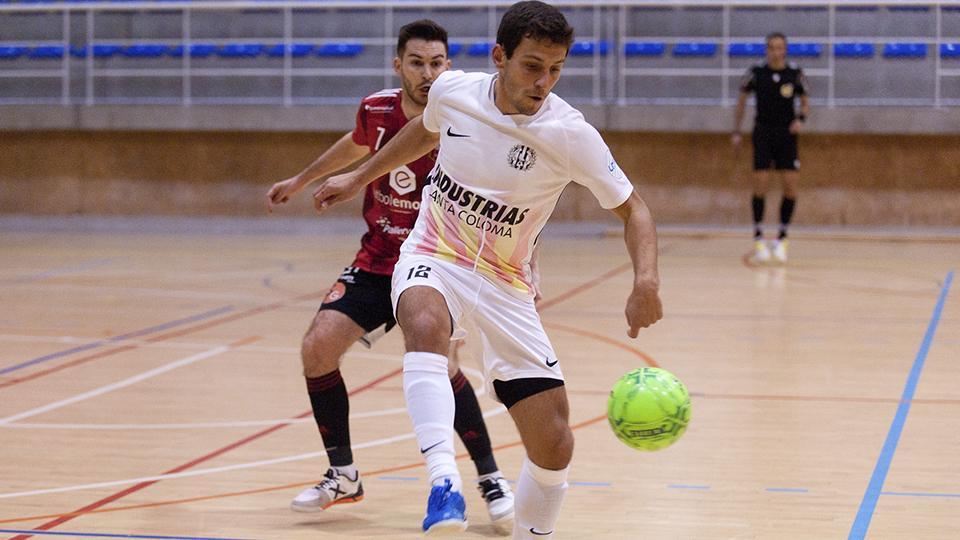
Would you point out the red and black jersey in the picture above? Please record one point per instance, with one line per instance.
(391, 203)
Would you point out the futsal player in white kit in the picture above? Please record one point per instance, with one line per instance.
(508, 147)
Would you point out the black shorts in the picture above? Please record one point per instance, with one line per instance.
(362, 296)
(776, 146)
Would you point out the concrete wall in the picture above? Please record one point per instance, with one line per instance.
(847, 179)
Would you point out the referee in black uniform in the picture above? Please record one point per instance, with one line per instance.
(777, 84)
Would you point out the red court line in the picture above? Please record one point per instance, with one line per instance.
(137, 487)
(160, 337)
(172, 502)
(63, 518)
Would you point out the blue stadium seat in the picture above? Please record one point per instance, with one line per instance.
(644, 48)
(145, 50)
(47, 51)
(241, 50)
(297, 50)
(454, 49)
(950, 50)
(479, 49)
(10, 53)
(99, 51)
(853, 50)
(905, 50)
(695, 49)
(589, 48)
(197, 50)
(809, 50)
(342, 50)
(747, 49)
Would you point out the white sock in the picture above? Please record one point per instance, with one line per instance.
(538, 499)
(426, 387)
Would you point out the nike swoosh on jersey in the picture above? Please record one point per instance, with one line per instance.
(538, 533)
(427, 449)
(551, 364)
(452, 134)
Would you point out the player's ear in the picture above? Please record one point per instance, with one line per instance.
(498, 55)
(449, 63)
(396, 65)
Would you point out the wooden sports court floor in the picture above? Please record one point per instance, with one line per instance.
(150, 388)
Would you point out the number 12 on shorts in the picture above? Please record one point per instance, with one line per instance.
(420, 271)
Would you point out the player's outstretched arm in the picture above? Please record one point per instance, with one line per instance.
(342, 154)
(640, 235)
(409, 144)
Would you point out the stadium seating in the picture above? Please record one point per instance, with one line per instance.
(589, 48)
(644, 48)
(479, 49)
(950, 50)
(905, 50)
(853, 50)
(685, 49)
(339, 50)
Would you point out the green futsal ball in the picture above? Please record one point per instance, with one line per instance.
(649, 409)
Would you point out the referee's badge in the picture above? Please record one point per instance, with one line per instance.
(786, 90)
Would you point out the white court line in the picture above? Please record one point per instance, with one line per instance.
(120, 384)
(199, 472)
(6, 423)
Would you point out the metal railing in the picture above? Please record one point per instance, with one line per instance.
(603, 77)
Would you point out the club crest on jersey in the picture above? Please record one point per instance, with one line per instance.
(402, 180)
(786, 90)
(521, 157)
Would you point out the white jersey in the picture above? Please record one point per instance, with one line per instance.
(498, 178)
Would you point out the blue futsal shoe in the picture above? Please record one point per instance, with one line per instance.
(446, 511)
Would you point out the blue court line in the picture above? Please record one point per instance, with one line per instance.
(688, 486)
(869, 502)
(80, 267)
(114, 339)
(787, 490)
(108, 535)
(920, 494)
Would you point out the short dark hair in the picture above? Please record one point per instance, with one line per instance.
(775, 35)
(536, 20)
(424, 29)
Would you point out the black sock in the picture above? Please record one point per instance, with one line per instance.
(757, 203)
(469, 424)
(331, 410)
(786, 213)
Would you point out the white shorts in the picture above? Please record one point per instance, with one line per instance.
(515, 346)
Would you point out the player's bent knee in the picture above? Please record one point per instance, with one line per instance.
(318, 356)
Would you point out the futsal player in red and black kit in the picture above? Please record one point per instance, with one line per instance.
(777, 84)
(358, 305)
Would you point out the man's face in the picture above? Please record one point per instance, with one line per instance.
(421, 63)
(530, 74)
(776, 51)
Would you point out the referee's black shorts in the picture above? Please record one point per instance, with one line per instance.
(774, 147)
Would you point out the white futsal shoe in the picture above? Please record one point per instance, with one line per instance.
(499, 498)
(780, 251)
(335, 488)
(761, 253)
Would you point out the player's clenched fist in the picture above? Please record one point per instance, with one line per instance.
(643, 308)
(336, 189)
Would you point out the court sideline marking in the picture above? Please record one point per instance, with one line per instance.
(869, 502)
